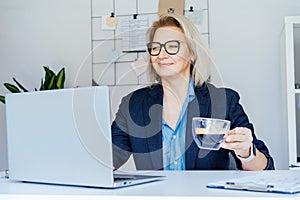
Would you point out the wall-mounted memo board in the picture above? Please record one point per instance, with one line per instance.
(118, 52)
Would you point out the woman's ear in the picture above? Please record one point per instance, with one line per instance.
(192, 59)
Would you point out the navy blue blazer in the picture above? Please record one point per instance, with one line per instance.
(137, 128)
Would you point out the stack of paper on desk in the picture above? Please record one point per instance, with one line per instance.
(287, 182)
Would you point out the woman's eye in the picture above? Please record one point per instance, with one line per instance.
(155, 48)
(173, 46)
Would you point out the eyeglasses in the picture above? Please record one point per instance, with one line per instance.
(171, 47)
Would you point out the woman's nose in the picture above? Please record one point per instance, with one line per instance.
(163, 53)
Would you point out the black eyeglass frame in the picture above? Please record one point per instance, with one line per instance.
(163, 45)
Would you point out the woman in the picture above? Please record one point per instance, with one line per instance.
(154, 123)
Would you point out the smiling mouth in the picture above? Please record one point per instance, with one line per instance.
(165, 64)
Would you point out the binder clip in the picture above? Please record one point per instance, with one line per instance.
(170, 10)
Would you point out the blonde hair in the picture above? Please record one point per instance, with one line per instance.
(201, 63)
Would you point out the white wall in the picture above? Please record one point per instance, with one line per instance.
(42, 32)
(245, 37)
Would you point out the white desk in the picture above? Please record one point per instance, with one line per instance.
(177, 185)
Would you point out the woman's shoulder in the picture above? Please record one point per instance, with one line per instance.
(145, 92)
(211, 89)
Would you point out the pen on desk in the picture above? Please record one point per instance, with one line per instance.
(247, 186)
(4, 174)
(293, 165)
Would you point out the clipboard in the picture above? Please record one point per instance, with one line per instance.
(263, 182)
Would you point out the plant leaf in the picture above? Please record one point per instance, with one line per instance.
(20, 86)
(11, 88)
(48, 71)
(42, 85)
(60, 79)
(48, 76)
(2, 99)
(51, 84)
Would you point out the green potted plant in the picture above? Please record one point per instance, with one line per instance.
(49, 82)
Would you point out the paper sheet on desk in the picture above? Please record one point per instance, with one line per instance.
(263, 182)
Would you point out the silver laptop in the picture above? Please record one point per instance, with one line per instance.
(63, 137)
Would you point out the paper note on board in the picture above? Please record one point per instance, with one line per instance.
(134, 33)
(109, 22)
(175, 6)
(139, 66)
(196, 16)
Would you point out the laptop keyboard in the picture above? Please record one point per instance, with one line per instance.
(123, 178)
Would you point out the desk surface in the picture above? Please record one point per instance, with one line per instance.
(177, 185)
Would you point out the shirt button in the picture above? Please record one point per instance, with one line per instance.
(174, 136)
(175, 162)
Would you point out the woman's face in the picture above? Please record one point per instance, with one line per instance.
(174, 58)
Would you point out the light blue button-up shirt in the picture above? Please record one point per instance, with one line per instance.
(174, 140)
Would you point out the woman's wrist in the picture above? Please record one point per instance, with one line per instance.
(252, 154)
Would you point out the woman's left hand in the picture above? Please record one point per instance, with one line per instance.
(239, 140)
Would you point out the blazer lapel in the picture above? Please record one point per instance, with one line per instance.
(153, 109)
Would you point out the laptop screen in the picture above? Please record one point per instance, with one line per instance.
(60, 136)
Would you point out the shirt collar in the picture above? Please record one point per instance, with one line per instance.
(191, 92)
